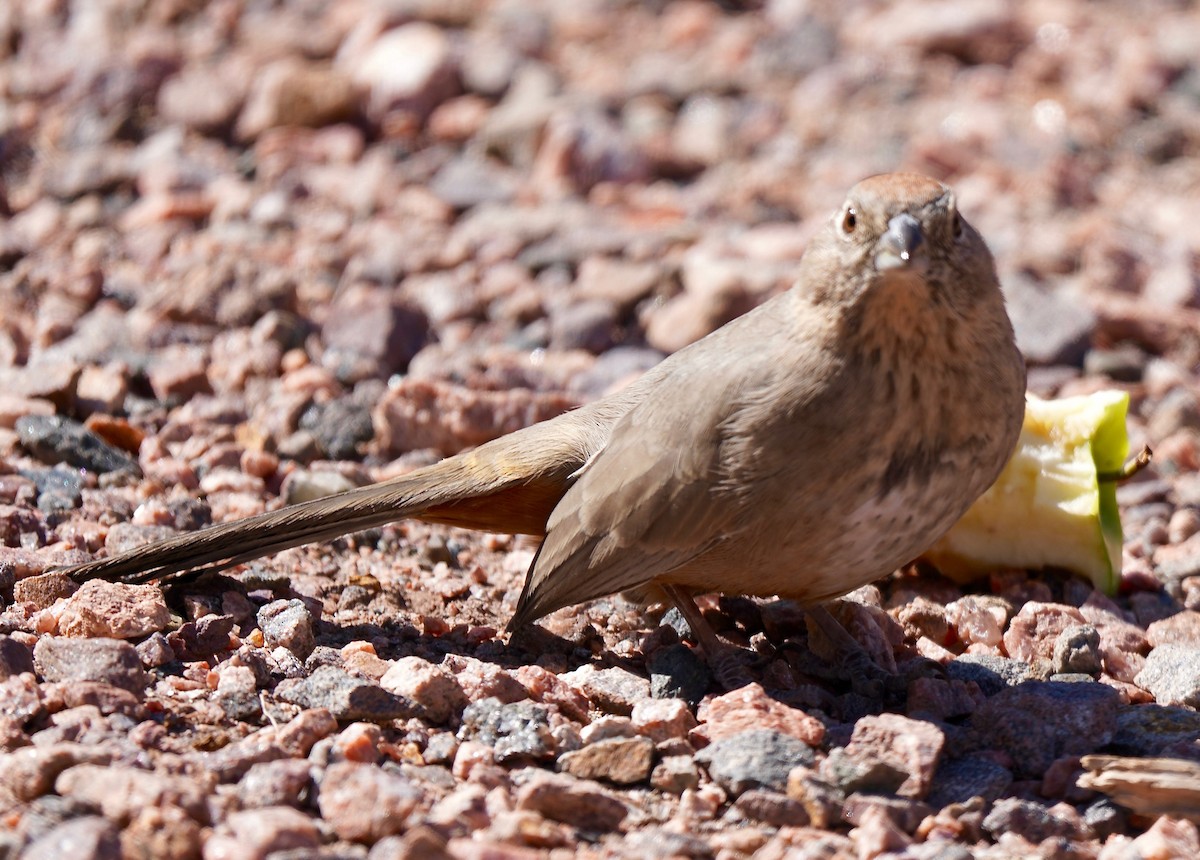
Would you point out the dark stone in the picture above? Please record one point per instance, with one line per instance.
(960, 779)
(1026, 818)
(520, 730)
(991, 673)
(59, 489)
(15, 658)
(348, 698)
(55, 439)
(1040, 721)
(339, 427)
(677, 673)
(112, 661)
(759, 758)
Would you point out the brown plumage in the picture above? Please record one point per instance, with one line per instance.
(804, 449)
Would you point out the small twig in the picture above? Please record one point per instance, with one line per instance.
(1131, 468)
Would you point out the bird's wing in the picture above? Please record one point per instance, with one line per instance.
(654, 498)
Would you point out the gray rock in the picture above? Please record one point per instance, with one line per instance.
(155, 650)
(677, 673)
(1077, 650)
(759, 758)
(589, 325)
(1040, 721)
(15, 658)
(55, 439)
(339, 427)
(520, 730)
(370, 333)
(275, 783)
(288, 624)
(1052, 326)
(59, 489)
(991, 673)
(346, 697)
(1172, 675)
(202, 638)
(468, 181)
(91, 837)
(1025, 818)
(960, 779)
(111, 661)
(1147, 730)
(862, 773)
(1105, 818)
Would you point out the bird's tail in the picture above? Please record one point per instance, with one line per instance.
(484, 489)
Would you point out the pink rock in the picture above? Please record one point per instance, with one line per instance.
(546, 687)
(751, 708)
(614, 690)
(1167, 837)
(621, 760)
(663, 719)
(291, 92)
(114, 610)
(253, 834)
(13, 406)
(43, 589)
(481, 680)
(120, 791)
(938, 699)
(877, 834)
(912, 746)
(179, 371)
(1183, 628)
(1032, 632)
(423, 414)
(410, 68)
(430, 686)
(100, 389)
(364, 803)
(577, 802)
(359, 742)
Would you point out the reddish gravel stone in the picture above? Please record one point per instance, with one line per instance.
(624, 761)
(254, 834)
(120, 792)
(751, 708)
(110, 661)
(344, 788)
(1032, 632)
(572, 801)
(913, 746)
(431, 687)
(114, 610)
(1182, 628)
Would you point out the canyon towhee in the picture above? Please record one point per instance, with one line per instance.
(805, 449)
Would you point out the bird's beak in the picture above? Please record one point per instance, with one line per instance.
(897, 248)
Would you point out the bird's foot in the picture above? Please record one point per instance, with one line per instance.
(729, 664)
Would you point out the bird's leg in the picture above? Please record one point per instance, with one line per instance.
(866, 677)
(727, 662)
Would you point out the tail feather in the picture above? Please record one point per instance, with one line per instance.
(227, 544)
(508, 485)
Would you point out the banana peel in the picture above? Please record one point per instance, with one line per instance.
(1055, 503)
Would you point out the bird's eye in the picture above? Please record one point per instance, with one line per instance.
(956, 225)
(849, 220)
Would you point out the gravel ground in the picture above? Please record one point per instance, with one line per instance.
(252, 252)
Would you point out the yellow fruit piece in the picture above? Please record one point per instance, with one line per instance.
(1049, 508)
